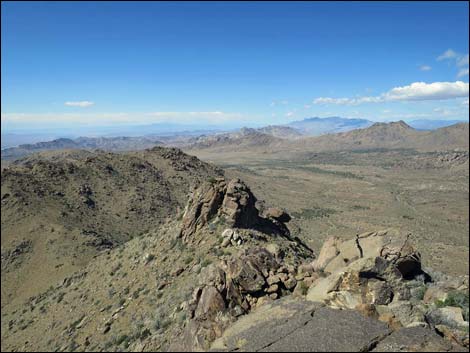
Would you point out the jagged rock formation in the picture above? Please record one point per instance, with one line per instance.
(233, 288)
(264, 268)
(233, 202)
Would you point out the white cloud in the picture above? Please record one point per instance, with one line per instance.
(465, 102)
(463, 72)
(425, 68)
(416, 91)
(463, 61)
(289, 114)
(307, 106)
(82, 104)
(448, 54)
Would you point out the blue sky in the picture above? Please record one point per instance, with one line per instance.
(99, 63)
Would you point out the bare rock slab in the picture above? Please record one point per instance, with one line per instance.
(301, 326)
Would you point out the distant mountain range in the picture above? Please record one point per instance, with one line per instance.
(377, 136)
(320, 126)
(87, 143)
(390, 135)
(332, 133)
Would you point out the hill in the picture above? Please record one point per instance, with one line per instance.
(320, 126)
(280, 131)
(62, 208)
(88, 143)
(395, 135)
(426, 124)
(243, 139)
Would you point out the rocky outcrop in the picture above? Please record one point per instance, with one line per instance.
(232, 288)
(233, 203)
(370, 269)
(301, 326)
(377, 282)
(380, 275)
(13, 257)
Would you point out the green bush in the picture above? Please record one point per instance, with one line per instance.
(205, 263)
(458, 299)
(420, 292)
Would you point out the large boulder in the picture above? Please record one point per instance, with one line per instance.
(277, 214)
(369, 270)
(301, 326)
(210, 304)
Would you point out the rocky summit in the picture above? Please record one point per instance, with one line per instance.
(203, 266)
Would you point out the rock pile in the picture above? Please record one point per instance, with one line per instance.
(234, 287)
(380, 275)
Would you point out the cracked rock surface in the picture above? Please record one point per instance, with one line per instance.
(289, 325)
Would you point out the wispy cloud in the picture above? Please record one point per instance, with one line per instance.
(82, 104)
(416, 91)
(347, 101)
(448, 54)
(279, 102)
(463, 72)
(461, 61)
(425, 68)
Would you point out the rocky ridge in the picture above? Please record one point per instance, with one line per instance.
(227, 275)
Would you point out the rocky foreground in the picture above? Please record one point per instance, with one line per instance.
(227, 275)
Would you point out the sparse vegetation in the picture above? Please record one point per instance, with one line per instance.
(316, 212)
(458, 299)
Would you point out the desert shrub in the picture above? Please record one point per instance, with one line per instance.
(60, 297)
(217, 252)
(419, 294)
(121, 339)
(303, 288)
(458, 299)
(360, 207)
(316, 212)
(161, 323)
(181, 317)
(205, 263)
